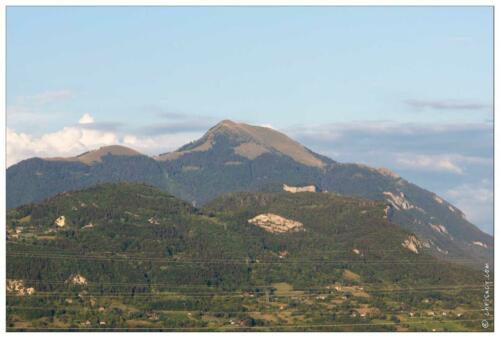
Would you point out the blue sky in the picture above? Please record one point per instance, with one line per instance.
(409, 88)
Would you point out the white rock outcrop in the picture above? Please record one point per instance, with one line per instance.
(444, 252)
(427, 244)
(77, 279)
(438, 199)
(386, 172)
(478, 243)
(439, 228)
(398, 201)
(17, 286)
(276, 224)
(88, 226)
(60, 221)
(412, 243)
(306, 188)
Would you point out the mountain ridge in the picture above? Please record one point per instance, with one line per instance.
(234, 157)
(91, 156)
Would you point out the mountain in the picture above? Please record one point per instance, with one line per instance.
(237, 157)
(129, 256)
(34, 179)
(250, 142)
(96, 156)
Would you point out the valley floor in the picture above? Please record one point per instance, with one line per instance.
(275, 307)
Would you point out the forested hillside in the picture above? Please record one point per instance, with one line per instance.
(132, 257)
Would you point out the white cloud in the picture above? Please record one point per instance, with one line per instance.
(48, 97)
(37, 111)
(429, 163)
(86, 119)
(475, 200)
(412, 146)
(447, 104)
(382, 128)
(69, 141)
(451, 163)
(74, 140)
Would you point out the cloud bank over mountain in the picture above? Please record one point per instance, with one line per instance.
(82, 137)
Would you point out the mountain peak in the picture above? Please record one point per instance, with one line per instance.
(96, 155)
(251, 142)
(227, 123)
(235, 126)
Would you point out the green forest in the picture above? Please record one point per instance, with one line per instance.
(128, 256)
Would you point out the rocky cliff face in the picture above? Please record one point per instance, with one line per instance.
(276, 224)
(306, 188)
